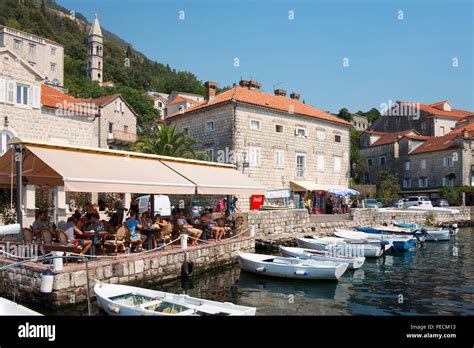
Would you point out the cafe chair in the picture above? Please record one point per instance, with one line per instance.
(119, 241)
(28, 236)
(64, 241)
(46, 237)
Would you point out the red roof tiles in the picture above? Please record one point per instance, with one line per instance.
(436, 109)
(390, 138)
(266, 100)
(437, 144)
(54, 98)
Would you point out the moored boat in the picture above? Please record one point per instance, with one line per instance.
(289, 267)
(399, 243)
(421, 235)
(319, 255)
(8, 307)
(433, 233)
(337, 246)
(117, 299)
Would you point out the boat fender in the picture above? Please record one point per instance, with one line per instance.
(261, 269)
(187, 269)
(113, 308)
(301, 272)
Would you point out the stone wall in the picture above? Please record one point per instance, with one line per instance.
(278, 222)
(369, 217)
(70, 284)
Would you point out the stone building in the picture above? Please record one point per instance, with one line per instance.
(160, 101)
(95, 52)
(274, 139)
(31, 110)
(360, 123)
(116, 128)
(436, 119)
(45, 56)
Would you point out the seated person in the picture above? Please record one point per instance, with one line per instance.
(164, 227)
(206, 220)
(95, 224)
(187, 228)
(133, 224)
(71, 230)
(40, 223)
(146, 220)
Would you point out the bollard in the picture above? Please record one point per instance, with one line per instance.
(58, 262)
(252, 231)
(184, 241)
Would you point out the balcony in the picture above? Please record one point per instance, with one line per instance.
(121, 138)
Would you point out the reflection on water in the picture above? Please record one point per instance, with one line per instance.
(436, 279)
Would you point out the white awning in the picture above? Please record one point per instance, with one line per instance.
(338, 190)
(101, 170)
(217, 180)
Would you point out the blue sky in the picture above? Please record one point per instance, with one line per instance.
(389, 59)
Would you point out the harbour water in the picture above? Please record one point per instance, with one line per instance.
(436, 279)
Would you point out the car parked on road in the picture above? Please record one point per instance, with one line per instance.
(197, 206)
(396, 203)
(372, 203)
(439, 202)
(420, 201)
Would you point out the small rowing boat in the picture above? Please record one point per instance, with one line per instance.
(124, 300)
(289, 267)
(433, 233)
(8, 307)
(319, 255)
(337, 246)
(399, 243)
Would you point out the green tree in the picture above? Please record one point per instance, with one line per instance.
(387, 186)
(372, 115)
(345, 114)
(358, 166)
(166, 141)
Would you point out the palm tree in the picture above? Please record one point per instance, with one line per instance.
(166, 141)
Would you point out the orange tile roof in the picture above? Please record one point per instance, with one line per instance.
(459, 130)
(433, 109)
(417, 137)
(390, 138)
(181, 99)
(54, 98)
(105, 100)
(437, 144)
(266, 100)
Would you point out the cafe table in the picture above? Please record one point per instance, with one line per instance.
(149, 236)
(94, 235)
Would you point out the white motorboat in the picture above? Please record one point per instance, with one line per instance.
(399, 242)
(341, 247)
(124, 300)
(289, 267)
(8, 307)
(319, 255)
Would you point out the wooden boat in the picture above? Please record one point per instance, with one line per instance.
(8, 307)
(433, 233)
(399, 243)
(290, 267)
(319, 255)
(124, 300)
(387, 230)
(337, 246)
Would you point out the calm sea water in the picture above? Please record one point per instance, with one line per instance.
(437, 279)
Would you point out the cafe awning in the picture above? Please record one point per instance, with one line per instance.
(216, 180)
(81, 169)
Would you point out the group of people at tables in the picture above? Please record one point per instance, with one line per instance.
(79, 227)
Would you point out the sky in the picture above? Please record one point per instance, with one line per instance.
(356, 54)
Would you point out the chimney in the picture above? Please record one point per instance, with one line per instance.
(295, 96)
(465, 133)
(211, 88)
(280, 92)
(250, 84)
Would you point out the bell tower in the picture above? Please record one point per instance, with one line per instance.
(95, 52)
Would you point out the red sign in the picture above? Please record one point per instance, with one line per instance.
(256, 201)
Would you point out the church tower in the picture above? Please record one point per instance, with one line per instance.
(95, 52)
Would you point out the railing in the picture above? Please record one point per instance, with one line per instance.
(122, 137)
